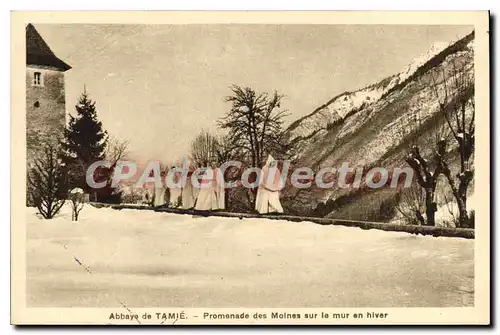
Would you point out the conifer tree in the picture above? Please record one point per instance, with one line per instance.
(85, 143)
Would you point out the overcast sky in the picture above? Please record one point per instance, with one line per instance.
(159, 85)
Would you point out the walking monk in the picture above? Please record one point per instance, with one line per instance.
(175, 188)
(268, 196)
(159, 195)
(207, 198)
(188, 196)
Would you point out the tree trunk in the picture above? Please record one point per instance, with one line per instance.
(254, 197)
(430, 207)
(462, 203)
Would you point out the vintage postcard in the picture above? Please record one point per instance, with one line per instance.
(256, 168)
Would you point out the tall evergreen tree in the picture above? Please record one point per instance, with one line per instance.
(85, 142)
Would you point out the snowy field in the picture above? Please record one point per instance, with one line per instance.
(148, 259)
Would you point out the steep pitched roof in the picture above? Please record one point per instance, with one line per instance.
(39, 53)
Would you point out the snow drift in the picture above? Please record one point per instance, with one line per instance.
(144, 258)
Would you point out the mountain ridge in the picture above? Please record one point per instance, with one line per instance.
(316, 123)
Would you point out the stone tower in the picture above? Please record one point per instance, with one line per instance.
(45, 100)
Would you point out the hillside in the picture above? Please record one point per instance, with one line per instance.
(373, 126)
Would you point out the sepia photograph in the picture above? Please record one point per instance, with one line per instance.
(301, 168)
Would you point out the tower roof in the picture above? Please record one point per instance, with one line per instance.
(39, 53)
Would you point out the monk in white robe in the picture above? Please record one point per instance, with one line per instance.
(160, 193)
(268, 197)
(188, 197)
(207, 198)
(175, 190)
(220, 189)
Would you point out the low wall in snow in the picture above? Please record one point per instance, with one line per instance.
(412, 229)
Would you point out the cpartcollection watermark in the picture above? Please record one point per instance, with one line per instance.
(345, 176)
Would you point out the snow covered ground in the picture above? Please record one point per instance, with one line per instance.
(147, 259)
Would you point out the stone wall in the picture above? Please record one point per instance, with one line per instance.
(45, 108)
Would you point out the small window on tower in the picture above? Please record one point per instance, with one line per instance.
(37, 79)
(36, 104)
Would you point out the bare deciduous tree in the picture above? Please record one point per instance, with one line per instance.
(455, 93)
(204, 148)
(426, 166)
(116, 150)
(427, 176)
(47, 185)
(255, 122)
(456, 104)
(76, 198)
(255, 127)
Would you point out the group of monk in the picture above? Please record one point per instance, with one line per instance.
(206, 192)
